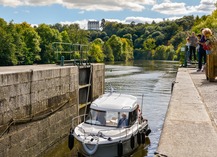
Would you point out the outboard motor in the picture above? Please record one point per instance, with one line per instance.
(71, 139)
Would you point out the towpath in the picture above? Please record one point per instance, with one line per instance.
(190, 128)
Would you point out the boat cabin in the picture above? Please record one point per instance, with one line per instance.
(113, 110)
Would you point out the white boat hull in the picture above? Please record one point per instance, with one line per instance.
(110, 149)
(114, 127)
(122, 144)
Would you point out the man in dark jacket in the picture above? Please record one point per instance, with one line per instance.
(201, 52)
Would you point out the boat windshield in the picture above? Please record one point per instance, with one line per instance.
(107, 118)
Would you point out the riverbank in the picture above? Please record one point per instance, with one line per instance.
(190, 128)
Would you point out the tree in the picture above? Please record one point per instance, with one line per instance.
(125, 30)
(48, 36)
(108, 52)
(111, 28)
(102, 24)
(96, 52)
(159, 53)
(149, 44)
(31, 46)
(76, 35)
(128, 36)
(127, 47)
(116, 46)
(138, 43)
(7, 47)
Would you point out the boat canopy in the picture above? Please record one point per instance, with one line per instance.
(115, 102)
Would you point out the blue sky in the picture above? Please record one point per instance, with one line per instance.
(80, 11)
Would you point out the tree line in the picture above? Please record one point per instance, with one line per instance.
(24, 44)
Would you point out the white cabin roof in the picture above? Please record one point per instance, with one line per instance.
(115, 102)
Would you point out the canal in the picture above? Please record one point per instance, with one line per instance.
(153, 79)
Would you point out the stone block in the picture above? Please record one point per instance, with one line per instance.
(42, 94)
(37, 75)
(24, 77)
(64, 71)
(23, 100)
(24, 88)
(56, 73)
(4, 92)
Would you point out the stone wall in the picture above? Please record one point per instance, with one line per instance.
(98, 81)
(36, 108)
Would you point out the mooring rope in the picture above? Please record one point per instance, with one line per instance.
(32, 118)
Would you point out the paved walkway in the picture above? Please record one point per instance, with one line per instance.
(190, 128)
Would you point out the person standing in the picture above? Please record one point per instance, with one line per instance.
(187, 49)
(193, 44)
(201, 52)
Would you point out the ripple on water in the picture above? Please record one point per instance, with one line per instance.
(154, 83)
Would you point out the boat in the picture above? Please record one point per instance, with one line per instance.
(114, 127)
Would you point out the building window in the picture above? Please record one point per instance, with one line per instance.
(93, 25)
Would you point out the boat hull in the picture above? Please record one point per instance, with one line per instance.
(112, 149)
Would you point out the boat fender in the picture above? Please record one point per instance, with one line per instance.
(143, 138)
(139, 138)
(132, 141)
(71, 139)
(90, 151)
(120, 148)
(148, 132)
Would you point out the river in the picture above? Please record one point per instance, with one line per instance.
(153, 79)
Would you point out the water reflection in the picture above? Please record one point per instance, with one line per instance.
(149, 78)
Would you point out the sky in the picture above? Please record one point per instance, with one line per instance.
(80, 11)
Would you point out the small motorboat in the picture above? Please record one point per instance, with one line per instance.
(114, 127)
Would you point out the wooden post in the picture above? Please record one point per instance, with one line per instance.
(211, 67)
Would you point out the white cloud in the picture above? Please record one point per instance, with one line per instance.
(82, 23)
(206, 6)
(170, 8)
(87, 5)
(142, 19)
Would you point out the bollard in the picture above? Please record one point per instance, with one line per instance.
(186, 59)
(184, 50)
(62, 61)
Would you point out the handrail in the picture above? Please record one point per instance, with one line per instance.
(78, 120)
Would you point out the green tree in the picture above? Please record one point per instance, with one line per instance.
(7, 48)
(160, 53)
(48, 36)
(116, 46)
(31, 46)
(102, 23)
(127, 47)
(125, 30)
(96, 51)
(149, 44)
(138, 43)
(108, 52)
(76, 35)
